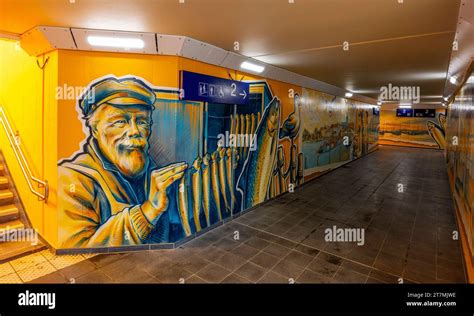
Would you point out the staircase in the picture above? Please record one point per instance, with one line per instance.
(9, 213)
(11, 218)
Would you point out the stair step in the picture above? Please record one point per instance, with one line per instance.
(9, 226)
(3, 183)
(14, 224)
(8, 213)
(6, 197)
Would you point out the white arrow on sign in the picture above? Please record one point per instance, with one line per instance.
(244, 94)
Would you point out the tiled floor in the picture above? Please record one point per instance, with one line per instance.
(36, 265)
(408, 235)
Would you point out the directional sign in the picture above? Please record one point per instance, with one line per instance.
(199, 87)
(405, 112)
(425, 113)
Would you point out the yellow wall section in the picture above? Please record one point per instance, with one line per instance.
(21, 86)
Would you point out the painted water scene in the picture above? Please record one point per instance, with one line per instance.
(412, 131)
(328, 131)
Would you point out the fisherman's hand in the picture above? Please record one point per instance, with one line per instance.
(161, 180)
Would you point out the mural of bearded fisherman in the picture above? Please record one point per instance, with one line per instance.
(110, 193)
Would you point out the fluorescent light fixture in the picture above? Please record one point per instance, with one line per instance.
(453, 80)
(349, 94)
(404, 106)
(379, 103)
(252, 67)
(446, 98)
(120, 42)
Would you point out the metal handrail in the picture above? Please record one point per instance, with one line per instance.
(20, 157)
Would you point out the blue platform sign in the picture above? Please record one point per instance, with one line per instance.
(405, 112)
(199, 87)
(425, 113)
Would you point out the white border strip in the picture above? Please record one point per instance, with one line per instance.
(188, 47)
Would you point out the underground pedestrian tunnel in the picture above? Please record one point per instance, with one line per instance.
(225, 142)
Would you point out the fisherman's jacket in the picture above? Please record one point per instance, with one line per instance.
(98, 207)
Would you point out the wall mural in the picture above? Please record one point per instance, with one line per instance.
(335, 131)
(156, 169)
(460, 156)
(413, 131)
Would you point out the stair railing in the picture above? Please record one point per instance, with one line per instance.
(20, 157)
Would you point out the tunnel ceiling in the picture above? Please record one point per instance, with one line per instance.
(405, 43)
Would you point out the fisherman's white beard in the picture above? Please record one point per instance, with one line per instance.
(128, 155)
(132, 163)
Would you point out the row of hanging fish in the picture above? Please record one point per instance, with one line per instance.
(242, 175)
(243, 128)
(207, 190)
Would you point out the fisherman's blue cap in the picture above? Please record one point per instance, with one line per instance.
(119, 92)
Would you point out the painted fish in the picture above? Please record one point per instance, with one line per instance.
(247, 135)
(215, 183)
(254, 180)
(232, 124)
(183, 206)
(237, 125)
(236, 158)
(197, 193)
(242, 132)
(206, 188)
(230, 183)
(252, 124)
(436, 133)
(442, 122)
(222, 177)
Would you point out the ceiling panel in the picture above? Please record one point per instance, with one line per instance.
(365, 68)
(390, 42)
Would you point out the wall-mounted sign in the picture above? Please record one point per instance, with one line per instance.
(404, 112)
(425, 113)
(199, 87)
